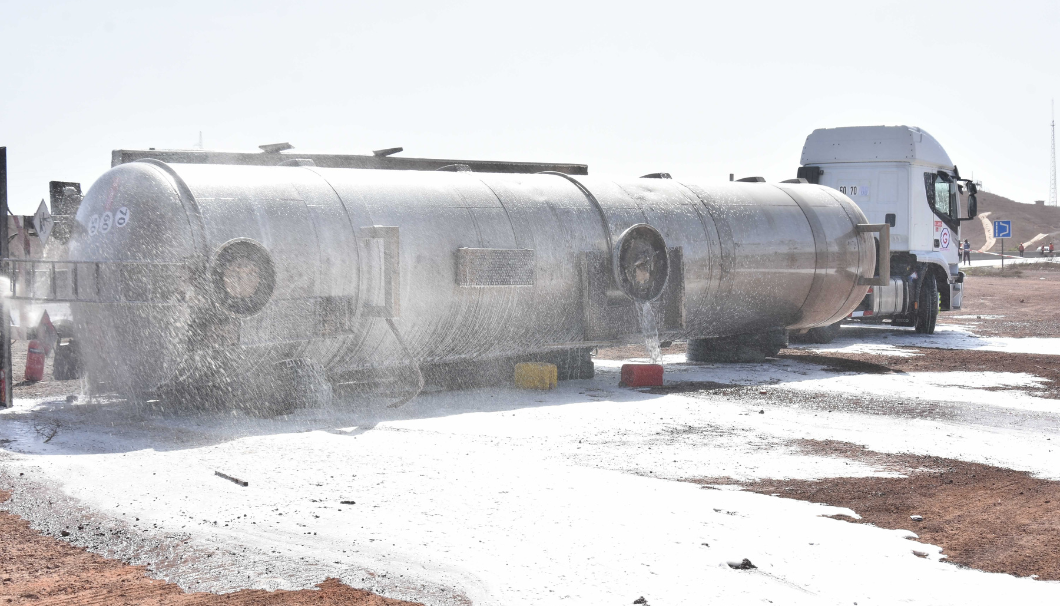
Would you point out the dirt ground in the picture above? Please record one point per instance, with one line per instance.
(940, 360)
(48, 388)
(626, 352)
(37, 569)
(984, 517)
(1019, 302)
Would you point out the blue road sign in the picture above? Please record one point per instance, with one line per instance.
(1002, 229)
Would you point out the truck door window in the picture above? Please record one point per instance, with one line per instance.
(942, 197)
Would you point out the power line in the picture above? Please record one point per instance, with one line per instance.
(1052, 157)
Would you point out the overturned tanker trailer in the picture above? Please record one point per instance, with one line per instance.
(245, 282)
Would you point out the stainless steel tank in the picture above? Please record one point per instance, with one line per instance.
(205, 273)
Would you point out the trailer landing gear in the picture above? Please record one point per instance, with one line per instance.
(753, 347)
(820, 335)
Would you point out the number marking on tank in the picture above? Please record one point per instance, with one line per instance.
(93, 225)
(121, 217)
(105, 222)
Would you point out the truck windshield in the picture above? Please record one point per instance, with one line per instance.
(942, 197)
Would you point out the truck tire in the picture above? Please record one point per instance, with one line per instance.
(573, 364)
(928, 306)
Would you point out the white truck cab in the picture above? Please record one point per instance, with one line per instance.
(901, 176)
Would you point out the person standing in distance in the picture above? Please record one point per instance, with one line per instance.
(967, 252)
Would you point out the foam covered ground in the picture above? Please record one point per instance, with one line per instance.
(569, 496)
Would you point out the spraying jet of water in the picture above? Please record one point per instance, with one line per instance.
(650, 330)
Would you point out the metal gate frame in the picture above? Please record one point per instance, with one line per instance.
(88, 281)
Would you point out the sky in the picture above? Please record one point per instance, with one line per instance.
(696, 89)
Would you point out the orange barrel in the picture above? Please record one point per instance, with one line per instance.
(35, 361)
(641, 375)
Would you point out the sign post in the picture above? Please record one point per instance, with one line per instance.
(5, 313)
(1002, 231)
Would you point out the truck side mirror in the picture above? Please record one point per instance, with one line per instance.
(973, 205)
(972, 189)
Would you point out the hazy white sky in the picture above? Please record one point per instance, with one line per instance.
(697, 89)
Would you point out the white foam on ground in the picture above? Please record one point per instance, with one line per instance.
(879, 349)
(977, 388)
(963, 387)
(1012, 258)
(528, 498)
(569, 496)
(947, 336)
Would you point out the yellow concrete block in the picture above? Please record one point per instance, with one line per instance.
(535, 375)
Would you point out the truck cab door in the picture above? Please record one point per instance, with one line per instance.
(942, 198)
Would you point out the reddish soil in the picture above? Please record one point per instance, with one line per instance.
(37, 569)
(983, 517)
(992, 519)
(940, 360)
(1024, 295)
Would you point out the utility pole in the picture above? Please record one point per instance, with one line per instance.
(1052, 157)
(5, 314)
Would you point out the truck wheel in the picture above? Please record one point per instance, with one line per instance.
(928, 306)
(574, 364)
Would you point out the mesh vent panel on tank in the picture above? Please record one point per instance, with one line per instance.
(494, 267)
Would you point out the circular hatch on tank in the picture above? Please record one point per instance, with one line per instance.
(243, 277)
(640, 262)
